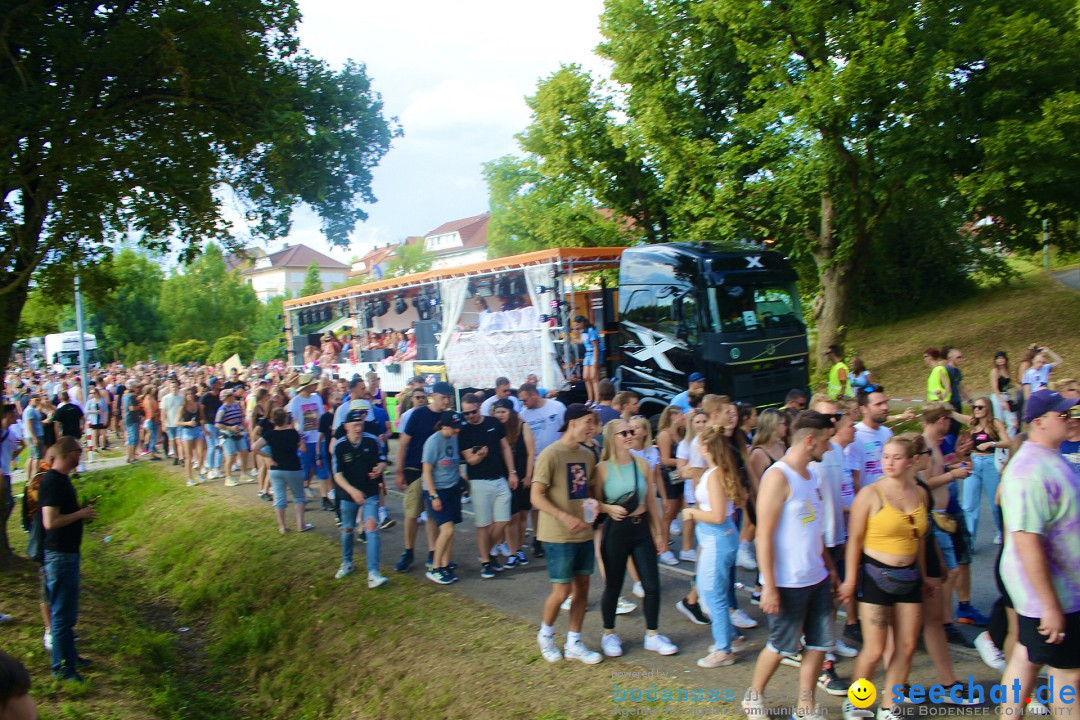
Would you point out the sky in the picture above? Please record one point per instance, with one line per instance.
(456, 75)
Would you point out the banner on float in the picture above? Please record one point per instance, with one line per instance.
(476, 359)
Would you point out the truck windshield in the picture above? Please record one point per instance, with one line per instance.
(750, 308)
(70, 358)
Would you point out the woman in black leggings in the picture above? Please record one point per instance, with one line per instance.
(631, 528)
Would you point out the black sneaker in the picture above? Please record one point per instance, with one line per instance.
(438, 575)
(853, 632)
(962, 697)
(361, 535)
(327, 506)
(405, 562)
(830, 683)
(388, 523)
(495, 563)
(449, 572)
(486, 571)
(692, 611)
(538, 549)
(955, 637)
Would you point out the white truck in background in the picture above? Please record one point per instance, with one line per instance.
(62, 351)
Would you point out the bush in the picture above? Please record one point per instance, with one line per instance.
(230, 345)
(188, 351)
(270, 350)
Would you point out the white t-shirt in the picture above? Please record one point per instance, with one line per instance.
(544, 422)
(830, 473)
(486, 406)
(650, 455)
(171, 405)
(1038, 379)
(864, 453)
(694, 457)
(305, 414)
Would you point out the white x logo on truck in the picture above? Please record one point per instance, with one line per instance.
(754, 261)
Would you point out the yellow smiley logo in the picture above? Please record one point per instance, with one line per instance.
(862, 693)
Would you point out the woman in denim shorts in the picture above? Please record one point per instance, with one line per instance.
(285, 471)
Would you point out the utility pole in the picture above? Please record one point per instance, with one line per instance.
(82, 348)
(1046, 244)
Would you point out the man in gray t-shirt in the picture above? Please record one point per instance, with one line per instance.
(441, 461)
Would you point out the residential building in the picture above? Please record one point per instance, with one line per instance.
(276, 273)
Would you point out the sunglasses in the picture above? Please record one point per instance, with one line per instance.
(835, 417)
(469, 412)
(978, 407)
(625, 433)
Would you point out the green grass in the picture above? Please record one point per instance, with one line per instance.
(272, 634)
(1032, 308)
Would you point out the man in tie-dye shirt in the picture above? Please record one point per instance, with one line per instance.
(1040, 565)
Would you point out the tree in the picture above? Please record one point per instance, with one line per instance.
(129, 314)
(532, 212)
(188, 351)
(823, 126)
(312, 281)
(230, 345)
(206, 301)
(409, 258)
(125, 116)
(42, 315)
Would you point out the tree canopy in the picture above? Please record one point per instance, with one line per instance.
(141, 117)
(312, 281)
(832, 130)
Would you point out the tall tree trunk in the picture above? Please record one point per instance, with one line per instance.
(835, 278)
(11, 307)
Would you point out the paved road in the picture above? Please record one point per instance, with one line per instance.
(1069, 278)
(521, 592)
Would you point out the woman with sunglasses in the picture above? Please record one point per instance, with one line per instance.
(886, 562)
(672, 427)
(631, 528)
(987, 435)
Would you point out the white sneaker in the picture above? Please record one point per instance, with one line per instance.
(191, 483)
(997, 538)
(660, 644)
(675, 529)
(502, 549)
(888, 714)
(638, 590)
(668, 558)
(989, 652)
(423, 516)
(844, 650)
(578, 651)
(744, 558)
(344, 570)
(624, 606)
(46, 640)
(548, 648)
(611, 645)
(753, 705)
(375, 579)
(742, 621)
(688, 555)
(566, 603)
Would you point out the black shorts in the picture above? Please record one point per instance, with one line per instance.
(1063, 656)
(519, 499)
(98, 426)
(933, 558)
(962, 540)
(869, 592)
(674, 490)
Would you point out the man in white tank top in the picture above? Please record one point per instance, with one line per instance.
(798, 576)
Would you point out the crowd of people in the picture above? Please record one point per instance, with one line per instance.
(839, 518)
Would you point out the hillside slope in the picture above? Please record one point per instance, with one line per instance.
(1034, 308)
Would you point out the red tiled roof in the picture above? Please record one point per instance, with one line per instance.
(473, 232)
(294, 256)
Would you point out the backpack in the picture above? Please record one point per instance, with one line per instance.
(32, 521)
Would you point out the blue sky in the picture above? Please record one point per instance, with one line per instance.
(455, 75)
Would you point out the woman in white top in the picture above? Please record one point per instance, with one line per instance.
(695, 423)
(718, 491)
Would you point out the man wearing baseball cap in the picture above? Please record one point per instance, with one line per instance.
(442, 484)
(359, 463)
(696, 381)
(1040, 563)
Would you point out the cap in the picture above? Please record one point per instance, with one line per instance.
(360, 405)
(1043, 401)
(696, 377)
(504, 403)
(573, 412)
(443, 388)
(213, 381)
(452, 418)
(356, 416)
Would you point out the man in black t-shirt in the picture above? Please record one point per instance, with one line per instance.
(62, 518)
(359, 463)
(410, 465)
(211, 403)
(69, 416)
(487, 457)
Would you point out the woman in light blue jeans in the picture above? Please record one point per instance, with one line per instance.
(987, 435)
(716, 493)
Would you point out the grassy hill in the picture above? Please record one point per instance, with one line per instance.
(1032, 308)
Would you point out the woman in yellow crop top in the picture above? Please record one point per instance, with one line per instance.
(886, 561)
